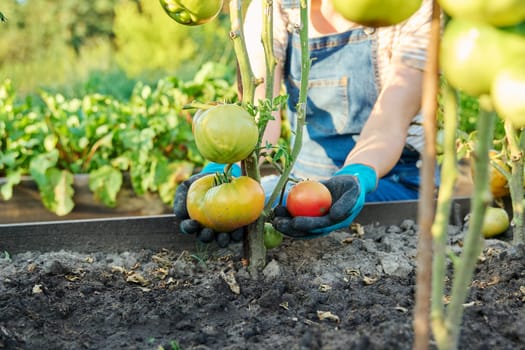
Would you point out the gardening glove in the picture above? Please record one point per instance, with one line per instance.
(348, 188)
(190, 226)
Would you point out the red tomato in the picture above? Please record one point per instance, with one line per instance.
(309, 198)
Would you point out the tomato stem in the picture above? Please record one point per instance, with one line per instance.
(516, 142)
(473, 242)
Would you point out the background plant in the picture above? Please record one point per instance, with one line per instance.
(148, 137)
(59, 45)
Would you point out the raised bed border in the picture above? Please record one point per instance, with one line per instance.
(160, 231)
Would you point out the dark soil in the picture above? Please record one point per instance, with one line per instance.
(345, 291)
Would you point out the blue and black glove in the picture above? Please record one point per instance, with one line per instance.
(190, 226)
(348, 188)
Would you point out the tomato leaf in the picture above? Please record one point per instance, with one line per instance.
(12, 179)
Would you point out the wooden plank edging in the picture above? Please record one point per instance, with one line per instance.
(160, 231)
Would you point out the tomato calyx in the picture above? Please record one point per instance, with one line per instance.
(223, 177)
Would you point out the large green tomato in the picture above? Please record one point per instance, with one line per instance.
(192, 12)
(495, 12)
(508, 93)
(376, 13)
(225, 133)
(472, 53)
(227, 206)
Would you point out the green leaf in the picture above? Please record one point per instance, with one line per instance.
(106, 183)
(50, 142)
(40, 164)
(7, 160)
(57, 191)
(177, 172)
(62, 181)
(12, 179)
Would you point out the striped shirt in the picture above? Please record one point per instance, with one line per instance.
(404, 43)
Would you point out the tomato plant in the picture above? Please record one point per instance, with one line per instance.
(192, 12)
(376, 13)
(495, 222)
(225, 133)
(226, 206)
(309, 198)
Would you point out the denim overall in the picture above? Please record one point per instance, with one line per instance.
(342, 90)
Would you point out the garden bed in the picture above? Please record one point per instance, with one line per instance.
(26, 205)
(349, 290)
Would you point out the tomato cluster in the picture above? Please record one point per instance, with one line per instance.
(225, 134)
(483, 53)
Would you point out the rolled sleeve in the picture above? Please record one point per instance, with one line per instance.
(412, 38)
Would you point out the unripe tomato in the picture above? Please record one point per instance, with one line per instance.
(498, 183)
(472, 54)
(225, 133)
(376, 13)
(227, 206)
(508, 93)
(192, 12)
(272, 237)
(495, 222)
(309, 198)
(494, 12)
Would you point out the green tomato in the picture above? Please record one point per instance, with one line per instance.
(472, 53)
(272, 237)
(192, 12)
(376, 13)
(508, 93)
(495, 222)
(494, 12)
(225, 133)
(227, 206)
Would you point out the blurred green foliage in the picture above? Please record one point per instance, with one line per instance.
(468, 110)
(78, 47)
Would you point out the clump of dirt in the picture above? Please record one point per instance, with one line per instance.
(349, 290)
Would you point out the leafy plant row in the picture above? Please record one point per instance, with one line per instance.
(148, 138)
